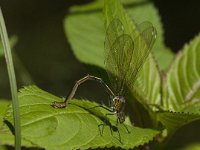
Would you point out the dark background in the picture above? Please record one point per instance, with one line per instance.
(43, 49)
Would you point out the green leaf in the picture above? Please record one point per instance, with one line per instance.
(183, 78)
(148, 84)
(86, 34)
(7, 137)
(3, 148)
(73, 127)
(3, 106)
(12, 80)
(13, 41)
(192, 107)
(182, 89)
(174, 120)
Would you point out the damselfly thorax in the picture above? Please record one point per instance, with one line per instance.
(118, 104)
(125, 54)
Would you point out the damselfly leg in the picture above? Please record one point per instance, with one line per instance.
(74, 89)
(125, 54)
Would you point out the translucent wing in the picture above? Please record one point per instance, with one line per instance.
(119, 60)
(142, 46)
(114, 30)
(124, 55)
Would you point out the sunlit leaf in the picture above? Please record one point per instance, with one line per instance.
(181, 89)
(85, 30)
(174, 120)
(192, 107)
(3, 107)
(183, 78)
(6, 136)
(148, 84)
(73, 127)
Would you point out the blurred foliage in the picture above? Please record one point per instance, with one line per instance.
(85, 30)
(194, 146)
(13, 41)
(46, 57)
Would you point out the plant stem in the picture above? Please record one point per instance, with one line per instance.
(12, 79)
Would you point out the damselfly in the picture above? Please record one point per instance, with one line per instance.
(125, 55)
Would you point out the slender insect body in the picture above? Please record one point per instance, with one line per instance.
(125, 55)
(118, 103)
